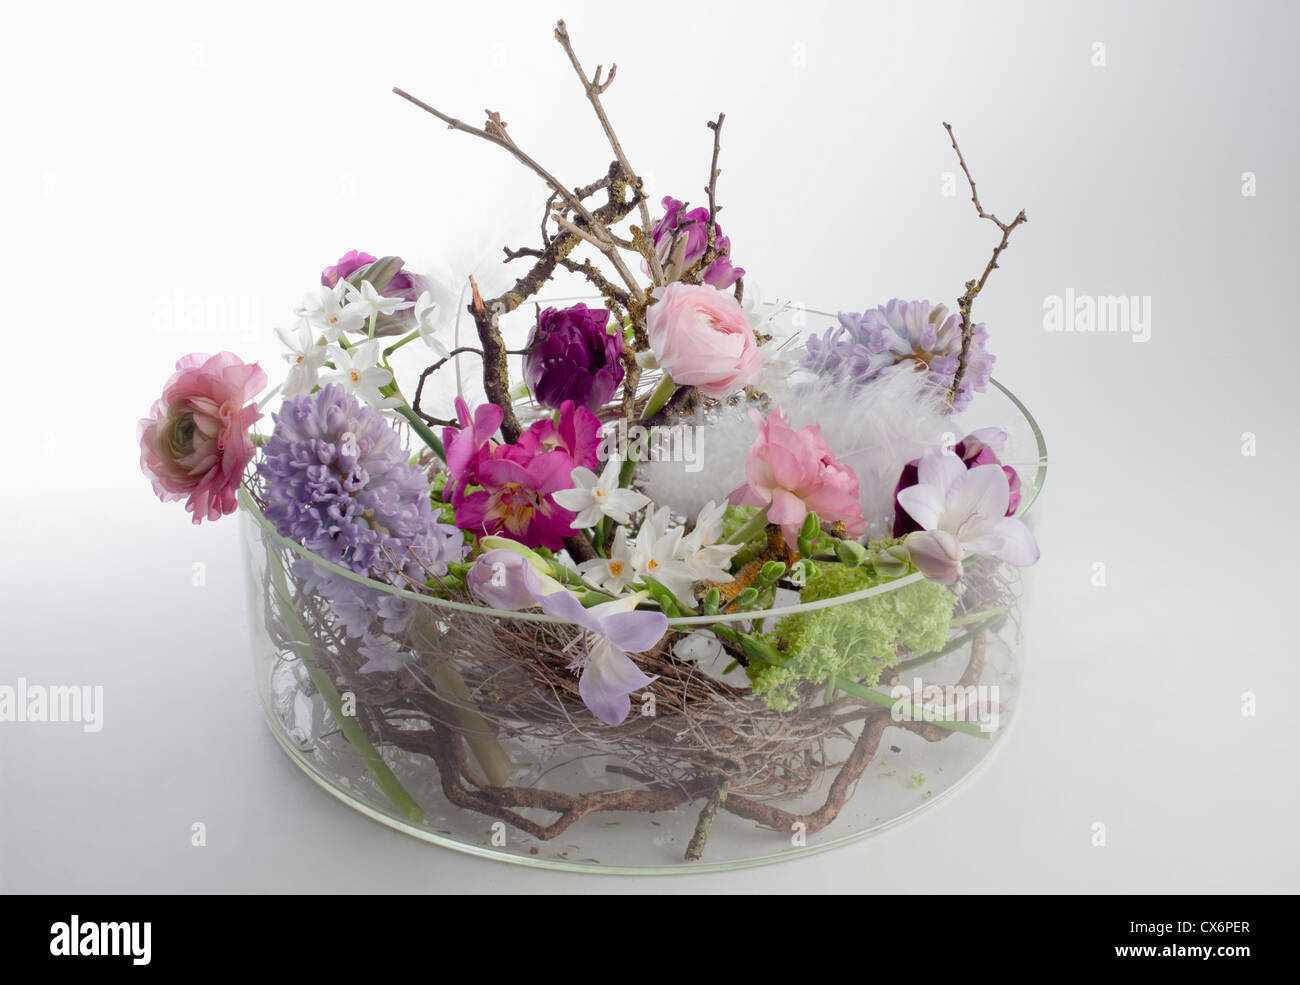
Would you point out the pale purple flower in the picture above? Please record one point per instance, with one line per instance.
(498, 579)
(338, 481)
(609, 631)
(898, 336)
(962, 511)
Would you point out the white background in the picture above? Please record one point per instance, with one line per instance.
(173, 179)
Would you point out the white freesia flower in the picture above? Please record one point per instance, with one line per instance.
(426, 315)
(611, 574)
(325, 311)
(305, 358)
(592, 497)
(359, 372)
(369, 303)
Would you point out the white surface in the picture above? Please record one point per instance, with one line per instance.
(160, 160)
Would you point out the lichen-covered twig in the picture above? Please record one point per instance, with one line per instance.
(973, 287)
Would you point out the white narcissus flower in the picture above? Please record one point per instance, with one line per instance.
(305, 358)
(962, 511)
(655, 556)
(426, 315)
(611, 574)
(325, 311)
(369, 303)
(699, 550)
(358, 370)
(592, 497)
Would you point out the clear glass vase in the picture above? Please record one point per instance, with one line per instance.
(480, 742)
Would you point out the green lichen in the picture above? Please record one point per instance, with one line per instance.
(858, 639)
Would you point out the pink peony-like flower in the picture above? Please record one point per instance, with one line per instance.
(793, 473)
(195, 440)
(701, 337)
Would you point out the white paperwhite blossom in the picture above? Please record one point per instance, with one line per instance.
(358, 371)
(305, 357)
(615, 573)
(426, 315)
(706, 559)
(325, 311)
(369, 303)
(656, 556)
(592, 497)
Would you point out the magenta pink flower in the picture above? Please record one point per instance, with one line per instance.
(574, 430)
(195, 440)
(515, 500)
(517, 479)
(701, 337)
(793, 473)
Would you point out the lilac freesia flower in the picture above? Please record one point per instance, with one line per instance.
(572, 356)
(508, 580)
(981, 447)
(612, 630)
(962, 511)
(690, 232)
(897, 336)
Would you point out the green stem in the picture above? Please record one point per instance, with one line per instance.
(918, 711)
(659, 397)
(967, 618)
(953, 645)
(384, 777)
(422, 429)
(754, 526)
(401, 342)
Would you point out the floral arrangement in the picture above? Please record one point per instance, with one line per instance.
(640, 577)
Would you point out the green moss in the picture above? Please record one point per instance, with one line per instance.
(856, 639)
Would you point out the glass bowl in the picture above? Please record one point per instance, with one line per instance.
(479, 744)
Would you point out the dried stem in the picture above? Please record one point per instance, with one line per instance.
(496, 370)
(973, 287)
(594, 88)
(712, 190)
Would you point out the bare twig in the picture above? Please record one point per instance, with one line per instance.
(496, 371)
(593, 88)
(973, 287)
(712, 189)
(429, 371)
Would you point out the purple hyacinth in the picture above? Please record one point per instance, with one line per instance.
(572, 356)
(902, 335)
(338, 481)
(689, 231)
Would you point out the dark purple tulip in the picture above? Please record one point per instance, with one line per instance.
(977, 448)
(571, 356)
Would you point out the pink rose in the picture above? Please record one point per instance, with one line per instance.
(701, 338)
(793, 473)
(195, 440)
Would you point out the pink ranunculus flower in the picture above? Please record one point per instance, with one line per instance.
(195, 440)
(701, 337)
(793, 473)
